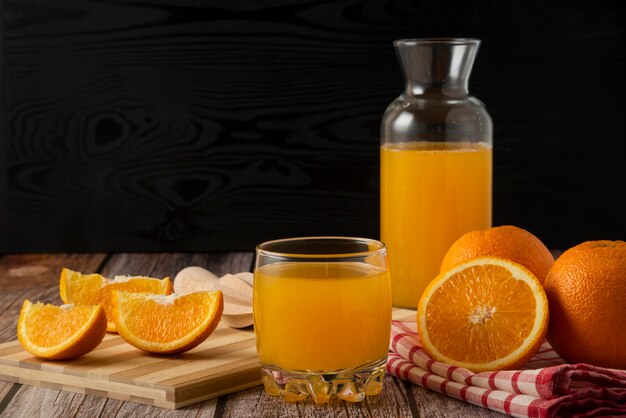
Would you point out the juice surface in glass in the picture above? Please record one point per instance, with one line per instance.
(321, 316)
(431, 194)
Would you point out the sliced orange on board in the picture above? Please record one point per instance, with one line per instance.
(91, 289)
(166, 324)
(485, 314)
(60, 332)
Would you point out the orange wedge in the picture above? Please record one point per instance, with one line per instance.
(60, 332)
(91, 289)
(485, 314)
(166, 324)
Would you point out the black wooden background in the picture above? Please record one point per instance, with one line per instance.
(213, 125)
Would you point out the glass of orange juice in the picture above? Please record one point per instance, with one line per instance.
(436, 162)
(322, 317)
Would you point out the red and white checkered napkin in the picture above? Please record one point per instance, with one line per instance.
(545, 388)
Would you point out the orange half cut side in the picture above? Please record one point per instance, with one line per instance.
(485, 314)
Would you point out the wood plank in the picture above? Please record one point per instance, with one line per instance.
(4, 389)
(403, 314)
(41, 402)
(169, 264)
(7, 392)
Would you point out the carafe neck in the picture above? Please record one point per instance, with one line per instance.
(437, 66)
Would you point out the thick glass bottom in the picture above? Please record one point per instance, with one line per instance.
(351, 385)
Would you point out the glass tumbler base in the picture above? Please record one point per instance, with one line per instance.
(351, 385)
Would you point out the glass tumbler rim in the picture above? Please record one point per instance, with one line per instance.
(379, 248)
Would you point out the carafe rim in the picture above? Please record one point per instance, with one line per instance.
(436, 41)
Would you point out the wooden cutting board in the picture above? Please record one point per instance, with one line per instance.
(226, 362)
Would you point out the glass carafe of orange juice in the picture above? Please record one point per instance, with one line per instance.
(436, 162)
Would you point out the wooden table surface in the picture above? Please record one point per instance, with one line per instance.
(35, 276)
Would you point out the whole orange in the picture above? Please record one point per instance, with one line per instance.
(509, 242)
(586, 290)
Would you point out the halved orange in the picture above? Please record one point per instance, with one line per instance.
(485, 314)
(166, 324)
(90, 289)
(60, 332)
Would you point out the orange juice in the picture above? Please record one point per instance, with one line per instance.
(431, 194)
(321, 316)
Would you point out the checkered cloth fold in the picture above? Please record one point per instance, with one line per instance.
(546, 387)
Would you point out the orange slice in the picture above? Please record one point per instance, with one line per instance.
(485, 314)
(166, 324)
(91, 289)
(60, 332)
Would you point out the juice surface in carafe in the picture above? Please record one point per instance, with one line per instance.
(321, 316)
(431, 194)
